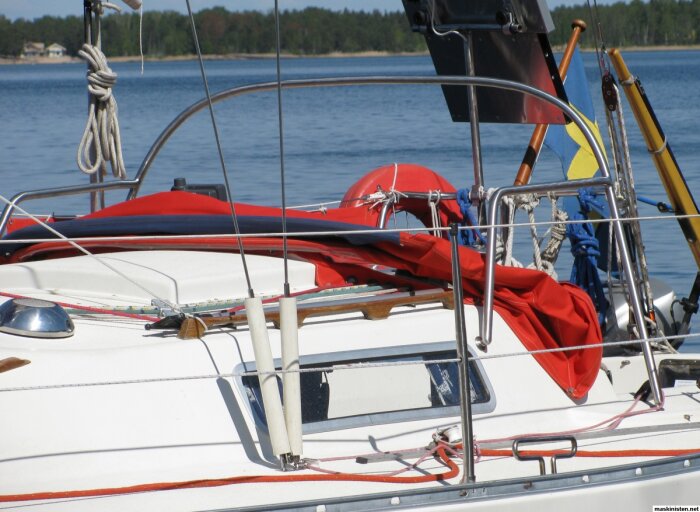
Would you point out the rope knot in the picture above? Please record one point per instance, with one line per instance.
(526, 202)
(101, 141)
(100, 78)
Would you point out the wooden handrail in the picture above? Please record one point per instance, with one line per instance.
(373, 308)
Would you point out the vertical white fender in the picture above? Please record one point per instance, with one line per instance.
(290, 361)
(268, 383)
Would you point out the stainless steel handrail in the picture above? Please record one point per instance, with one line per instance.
(606, 181)
(61, 191)
(496, 83)
(493, 211)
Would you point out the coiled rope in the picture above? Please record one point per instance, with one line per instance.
(543, 260)
(101, 141)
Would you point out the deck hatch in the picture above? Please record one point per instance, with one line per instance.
(345, 398)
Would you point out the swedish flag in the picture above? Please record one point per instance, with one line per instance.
(567, 141)
(578, 162)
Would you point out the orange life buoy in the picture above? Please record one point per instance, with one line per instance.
(402, 178)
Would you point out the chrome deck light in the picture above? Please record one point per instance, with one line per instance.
(35, 318)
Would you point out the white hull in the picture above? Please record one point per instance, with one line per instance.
(116, 406)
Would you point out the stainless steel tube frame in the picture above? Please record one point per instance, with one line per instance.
(62, 191)
(606, 181)
(463, 354)
(486, 333)
(234, 92)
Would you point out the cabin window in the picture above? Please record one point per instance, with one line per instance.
(334, 398)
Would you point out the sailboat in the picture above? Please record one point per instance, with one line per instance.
(184, 351)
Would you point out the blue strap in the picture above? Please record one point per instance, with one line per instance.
(586, 250)
(590, 202)
(468, 236)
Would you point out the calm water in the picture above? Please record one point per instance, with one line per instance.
(332, 136)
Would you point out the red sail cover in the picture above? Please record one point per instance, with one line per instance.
(543, 313)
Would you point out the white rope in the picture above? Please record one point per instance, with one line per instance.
(101, 142)
(528, 203)
(381, 196)
(504, 249)
(396, 175)
(557, 233)
(433, 206)
(322, 207)
(664, 343)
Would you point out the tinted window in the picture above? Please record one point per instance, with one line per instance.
(336, 394)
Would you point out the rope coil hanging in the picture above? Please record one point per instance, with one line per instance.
(101, 141)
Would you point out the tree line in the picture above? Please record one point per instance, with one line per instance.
(652, 23)
(315, 31)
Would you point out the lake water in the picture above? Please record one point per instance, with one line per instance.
(332, 136)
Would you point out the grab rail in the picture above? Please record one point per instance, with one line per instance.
(539, 458)
(233, 92)
(62, 191)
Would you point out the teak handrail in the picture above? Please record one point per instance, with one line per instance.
(372, 308)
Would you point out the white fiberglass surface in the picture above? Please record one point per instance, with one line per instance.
(181, 277)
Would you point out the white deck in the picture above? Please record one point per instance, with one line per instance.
(181, 277)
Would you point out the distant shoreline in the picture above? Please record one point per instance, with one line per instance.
(254, 56)
(231, 56)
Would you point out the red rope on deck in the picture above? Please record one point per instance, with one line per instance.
(218, 482)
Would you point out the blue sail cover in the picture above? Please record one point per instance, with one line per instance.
(154, 225)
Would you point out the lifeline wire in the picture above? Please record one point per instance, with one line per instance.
(340, 367)
(281, 137)
(234, 217)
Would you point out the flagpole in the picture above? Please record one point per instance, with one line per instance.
(533, 149)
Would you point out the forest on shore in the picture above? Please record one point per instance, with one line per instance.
(316, 31)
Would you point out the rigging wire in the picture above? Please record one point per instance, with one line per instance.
(234, 217)
(280, 119)
(623, 163)
(348, 366)
(600, 42)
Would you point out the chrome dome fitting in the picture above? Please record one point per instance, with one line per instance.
(35, 318)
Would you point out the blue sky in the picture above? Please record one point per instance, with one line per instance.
(31, 9)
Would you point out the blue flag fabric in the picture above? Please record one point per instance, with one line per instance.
(567, 141)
